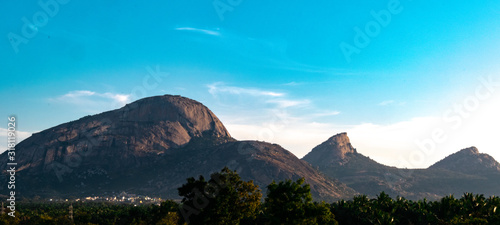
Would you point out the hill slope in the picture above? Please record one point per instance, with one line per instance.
(464, 171)
(469, 161)
(150, 147)
(336, 157)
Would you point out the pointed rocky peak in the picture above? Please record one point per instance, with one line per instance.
(469, 161)
(469, 151)
(340, 139)
(339, 144)
(334, 150)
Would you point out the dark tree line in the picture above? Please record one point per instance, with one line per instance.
(226, 199)
(469, 209)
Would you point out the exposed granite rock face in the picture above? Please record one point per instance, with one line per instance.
(468, 161)
(335, 150)
(133, 136)
(124, 137)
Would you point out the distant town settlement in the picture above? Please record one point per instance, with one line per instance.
(11, 165)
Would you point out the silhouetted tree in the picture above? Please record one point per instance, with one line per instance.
(224, 199)
(289, 202)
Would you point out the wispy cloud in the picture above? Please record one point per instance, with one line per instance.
(83, 96)
(279, 99)
(216, 88)
(391, 102)
(259, 52)
(293, 83)
(197, 30)
(92, 101)
(386, 102)
(76, 94)
(285, 103)
(323, 114)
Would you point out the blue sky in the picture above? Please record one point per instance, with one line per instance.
(271, 71)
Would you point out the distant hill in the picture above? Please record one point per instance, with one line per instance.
(150, 147)
(336, 157)
(464, 171)
(469, 161)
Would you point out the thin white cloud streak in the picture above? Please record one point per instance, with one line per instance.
(255, 96)
(391, 102)
(262, 52)
(76, 94)
(324, 114)
(203, 31)
(84, 96)
(216, 88)
(286, 103)
(92, 102)
(293, 83)
(387, 102)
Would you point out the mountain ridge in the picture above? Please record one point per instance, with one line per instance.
(334, 150)
(451, 175)
(150, 146)
(468, 160)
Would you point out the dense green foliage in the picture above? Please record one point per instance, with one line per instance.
(93, 213)
(291, 203)
(469, 209)
(226, 199)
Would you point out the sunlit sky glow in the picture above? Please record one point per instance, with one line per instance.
(270, 70)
